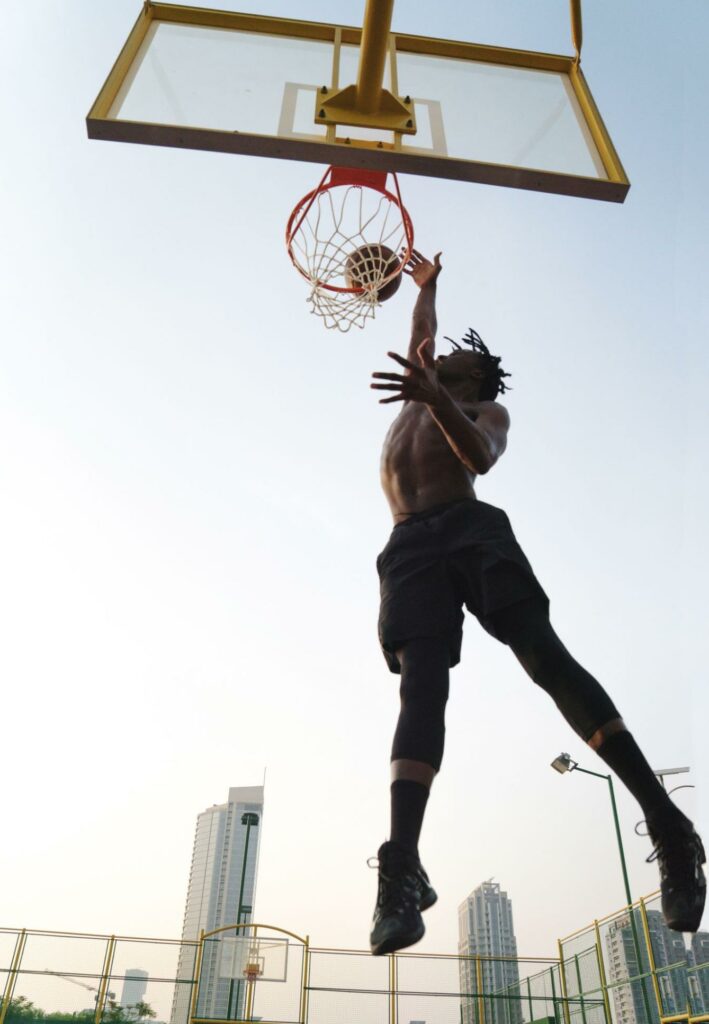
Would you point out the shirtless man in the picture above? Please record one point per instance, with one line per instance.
(448, 549)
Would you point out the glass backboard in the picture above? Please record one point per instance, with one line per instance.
(216, 80)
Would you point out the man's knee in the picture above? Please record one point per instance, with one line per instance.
(428, 653)
(522, 625)
(604, 732)
(405, 769)
(420, 731)
(578, 695)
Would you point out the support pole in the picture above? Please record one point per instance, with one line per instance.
(373, 53)
(576, 27)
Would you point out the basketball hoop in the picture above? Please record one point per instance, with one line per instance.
(253, 970)
(350, 238)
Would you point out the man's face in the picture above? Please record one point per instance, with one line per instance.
(460, 368)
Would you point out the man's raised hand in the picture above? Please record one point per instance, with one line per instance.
(417, 384)
(423, 271)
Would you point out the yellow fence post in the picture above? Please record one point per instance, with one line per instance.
(651, 958)
(105, 979)
(195, 978)
(481, 997)
(602, 973)
(393, 981)
(564, 990)
(305, 989)
(12, 975)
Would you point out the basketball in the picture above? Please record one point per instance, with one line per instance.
(372, 263)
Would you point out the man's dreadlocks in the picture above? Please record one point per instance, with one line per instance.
(493, 383)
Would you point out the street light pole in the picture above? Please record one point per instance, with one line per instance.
(624, 866)
(562, 764)
(249, 819)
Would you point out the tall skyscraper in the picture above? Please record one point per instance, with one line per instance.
(698, 977)
(486, 929)
(220, 892)
(636, 1003)
(134, 986)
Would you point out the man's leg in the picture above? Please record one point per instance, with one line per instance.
(417, 750)
(588, 709)
(583, 702)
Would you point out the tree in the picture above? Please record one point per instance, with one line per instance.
(143, 1011)
(22, 1011)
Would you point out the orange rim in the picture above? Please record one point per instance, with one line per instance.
(346, 176)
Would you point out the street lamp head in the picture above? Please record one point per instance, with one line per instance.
(249, 818)
(563, 764)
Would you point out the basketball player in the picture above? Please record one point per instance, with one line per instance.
(448, 549)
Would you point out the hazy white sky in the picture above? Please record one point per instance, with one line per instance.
(190, 509)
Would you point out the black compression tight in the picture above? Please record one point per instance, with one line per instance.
(420, 731)
(526, 629)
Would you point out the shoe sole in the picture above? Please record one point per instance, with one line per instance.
(690, 924)
(392, 945)
(428, 900)
(685, 926)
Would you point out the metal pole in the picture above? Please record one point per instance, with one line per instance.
(373, 51)
(249, 820)
(103, 993)
(579, 982)
(620, 843)
(195, 979)
(12, 976)
(609, 780)
(629, 898)
(393, 985)
(576, 27)
(243, 869)
(602, 974)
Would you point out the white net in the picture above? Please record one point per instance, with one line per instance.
(350, 237)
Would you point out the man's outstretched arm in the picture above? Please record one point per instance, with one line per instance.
(424, 323)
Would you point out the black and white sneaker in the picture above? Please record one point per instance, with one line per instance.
(403, 892)
(680, 855)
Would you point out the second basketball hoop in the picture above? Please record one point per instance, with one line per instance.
(350, 238)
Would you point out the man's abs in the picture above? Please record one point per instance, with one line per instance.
(419, 468)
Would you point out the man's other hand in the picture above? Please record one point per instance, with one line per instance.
(418, 384)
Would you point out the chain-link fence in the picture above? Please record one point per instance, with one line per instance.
(628, 968)
(640, 970)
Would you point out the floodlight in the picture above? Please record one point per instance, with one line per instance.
(563, 764)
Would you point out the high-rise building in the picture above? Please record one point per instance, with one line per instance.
(486, 929)
(134, 987)
(220, 892)
(698, 976)
(636, 1003)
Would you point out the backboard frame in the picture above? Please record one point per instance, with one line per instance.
(358, 154)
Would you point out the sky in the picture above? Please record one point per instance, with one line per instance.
(190, 508)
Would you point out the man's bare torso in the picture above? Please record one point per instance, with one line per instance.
(418, 467)
(444, 435)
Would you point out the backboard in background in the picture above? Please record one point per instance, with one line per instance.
(253, 958)
(242, 83)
